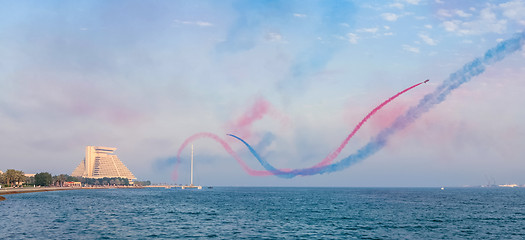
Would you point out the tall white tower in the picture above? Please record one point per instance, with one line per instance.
(191, 174)
(191, 180)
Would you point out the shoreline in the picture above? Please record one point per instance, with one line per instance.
(50, 189)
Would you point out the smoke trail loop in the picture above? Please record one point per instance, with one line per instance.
(455, 80)
(284, 173)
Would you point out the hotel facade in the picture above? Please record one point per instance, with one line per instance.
(100, 162)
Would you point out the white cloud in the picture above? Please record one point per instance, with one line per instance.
(487, 14)
(203, 24)
(352, 38)
(462, 14)
(397, 5)
(427, 39)
(386, 27)
(392, 17)
(273, 37)
(486, 22)
(413, 2)
(499, 40)
(514, 10)
(451, 13)
(344, 24)
(299, 15)
(439, 1)
(198, 23)
(368, 30)
(444, 13)
(451, 26)
(428, 26)
(409, 48)
(388, 34)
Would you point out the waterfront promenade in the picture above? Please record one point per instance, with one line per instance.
(7, 191)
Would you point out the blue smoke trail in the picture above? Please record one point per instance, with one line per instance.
(465, 74)
(263, 162)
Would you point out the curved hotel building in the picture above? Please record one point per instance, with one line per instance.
(100, 162)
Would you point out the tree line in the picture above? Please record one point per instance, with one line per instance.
(14, 178)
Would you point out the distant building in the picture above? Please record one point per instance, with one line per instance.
(100, 162)
(72, 184)
(1, 172)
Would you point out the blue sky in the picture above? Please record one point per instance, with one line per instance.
(144, 76)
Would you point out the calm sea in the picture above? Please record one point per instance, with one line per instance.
(268, 213)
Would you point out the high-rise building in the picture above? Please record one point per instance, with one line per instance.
(100, 162)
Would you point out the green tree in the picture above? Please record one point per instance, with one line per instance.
(2, 178)
(61, 179)
(19, 177)
(10, 176)
(43, 179)
(30, 180)
(72, 179)
(142, 183)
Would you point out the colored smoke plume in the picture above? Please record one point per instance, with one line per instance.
(268, 138)
(226, 147)
(256, 112)
(465, 74)
(328, 159)
(260, 108)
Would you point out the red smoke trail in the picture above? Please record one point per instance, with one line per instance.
(257, 112)
(242, 125)
(336, 153)
(226, 147)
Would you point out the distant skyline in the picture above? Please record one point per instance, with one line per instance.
(291, 77)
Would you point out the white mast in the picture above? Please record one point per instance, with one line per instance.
(191, 181)
(191, 172)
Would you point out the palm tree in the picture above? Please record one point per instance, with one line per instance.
(10, 176)
(2, 178)
(19, 177)
(61, 179)
(54, 181)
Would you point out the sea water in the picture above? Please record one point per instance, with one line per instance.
(267, 213)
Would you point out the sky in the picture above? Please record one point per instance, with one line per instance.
(292, 78)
